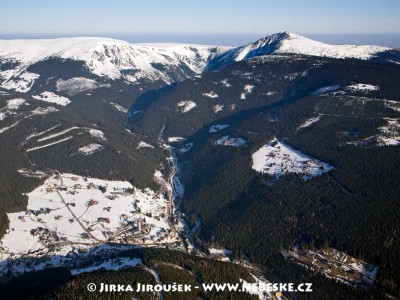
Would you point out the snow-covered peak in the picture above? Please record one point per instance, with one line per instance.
(287, 42)
(263, 46)
(294, 43)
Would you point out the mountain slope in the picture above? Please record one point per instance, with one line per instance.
(286, 42)
(109, 58)
(66, 108)
(334, 110)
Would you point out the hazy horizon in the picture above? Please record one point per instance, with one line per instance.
(386, 40)
(220, 22)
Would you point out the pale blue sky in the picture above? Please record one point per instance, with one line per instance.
(233, 20)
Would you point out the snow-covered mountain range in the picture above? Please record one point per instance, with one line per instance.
(115, 59)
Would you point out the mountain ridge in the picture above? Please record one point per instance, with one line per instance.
(168, 63)
(113, 59)
(291, 43)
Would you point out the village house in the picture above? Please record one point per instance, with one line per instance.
(92, 202)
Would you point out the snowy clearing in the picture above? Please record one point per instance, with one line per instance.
(326, 89)
(228, 141)
(211, 95)
(91, 149)
(218, 108)
(144, 145)
(97, 134)
(21, 83)
(186, 106)
(175, 139)
(390, 133)
(3, 115)
(362, 87)
(226, 83)
(76, 85)
(44, 110)
(277, 159)
(395, 105)
(14, 104)
(185, 148)
(248, 89)
(52, 98)
(218, 127)
(309, 122)
(119, 107)
(220, 254)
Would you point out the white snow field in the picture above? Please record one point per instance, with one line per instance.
(211, 95)
(76, 85)
(52, 98)
(11, 106)
(218, 108)
(144, 145)
(44, 110)
(277, 159)
(19, 82)
(248, 89)
(309, 122)
(91, 149)
(220, 254)
(175, 139)
(390, 133)
(186, 106)
(97, 134)
(229, 141)
(70, 212)
(362, 87)
(14, 104)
